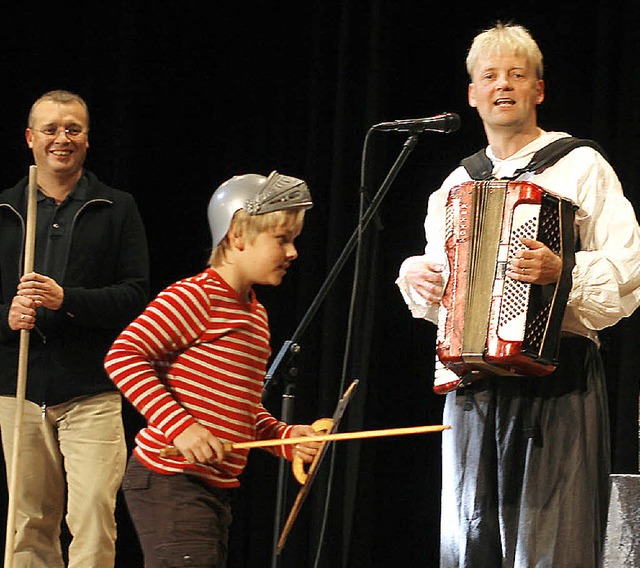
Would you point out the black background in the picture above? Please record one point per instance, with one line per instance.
(185, 95)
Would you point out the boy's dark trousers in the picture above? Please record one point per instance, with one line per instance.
(180, 520)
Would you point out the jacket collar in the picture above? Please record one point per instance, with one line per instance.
(93, 188)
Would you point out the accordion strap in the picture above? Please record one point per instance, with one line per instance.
(479, 166)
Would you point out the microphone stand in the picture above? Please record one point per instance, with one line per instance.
(291, 347)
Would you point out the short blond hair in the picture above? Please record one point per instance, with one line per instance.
(250, 226)
(505, 39)
(59, 96)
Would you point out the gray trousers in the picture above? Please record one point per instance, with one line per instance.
(526, 468)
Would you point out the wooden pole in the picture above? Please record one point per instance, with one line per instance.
(23, 357)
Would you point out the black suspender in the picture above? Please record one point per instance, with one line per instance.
(479, 166)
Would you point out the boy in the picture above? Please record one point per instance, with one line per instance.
(193, 365)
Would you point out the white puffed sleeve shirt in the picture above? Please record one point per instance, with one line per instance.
(606, 277)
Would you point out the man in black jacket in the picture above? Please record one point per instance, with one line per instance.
(90, 279)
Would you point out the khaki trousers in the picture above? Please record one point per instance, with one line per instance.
(75, 454)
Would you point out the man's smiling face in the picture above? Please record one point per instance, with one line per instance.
(58, 136)
(506, 91)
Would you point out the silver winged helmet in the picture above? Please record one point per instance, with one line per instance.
(256, 194)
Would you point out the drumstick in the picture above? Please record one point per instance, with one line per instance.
(171, 451)
(23, 357)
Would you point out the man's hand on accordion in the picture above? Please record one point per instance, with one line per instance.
(537, 264)
(426, 278)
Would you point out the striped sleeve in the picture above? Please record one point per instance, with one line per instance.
(169, 324)
(268, 427)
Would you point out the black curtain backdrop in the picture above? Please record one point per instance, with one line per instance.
(185, 95)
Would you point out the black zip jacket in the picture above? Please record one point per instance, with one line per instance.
(105, 282)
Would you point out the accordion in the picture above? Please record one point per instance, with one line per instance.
(488, 323)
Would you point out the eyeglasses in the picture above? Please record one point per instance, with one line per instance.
(70, 131)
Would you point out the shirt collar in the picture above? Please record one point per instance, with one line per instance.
(79, 192)
(529, 149)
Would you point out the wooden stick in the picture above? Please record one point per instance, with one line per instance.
(23, 358)
(171, 451)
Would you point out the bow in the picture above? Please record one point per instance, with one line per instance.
(329, 427)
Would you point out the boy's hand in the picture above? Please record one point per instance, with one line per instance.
(307, 451)
(198, 445)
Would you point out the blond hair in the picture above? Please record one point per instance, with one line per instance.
(250, 226)
(503, 39)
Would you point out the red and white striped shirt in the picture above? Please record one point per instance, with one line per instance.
(198, 353)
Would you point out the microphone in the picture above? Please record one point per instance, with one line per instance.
(445, 122)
